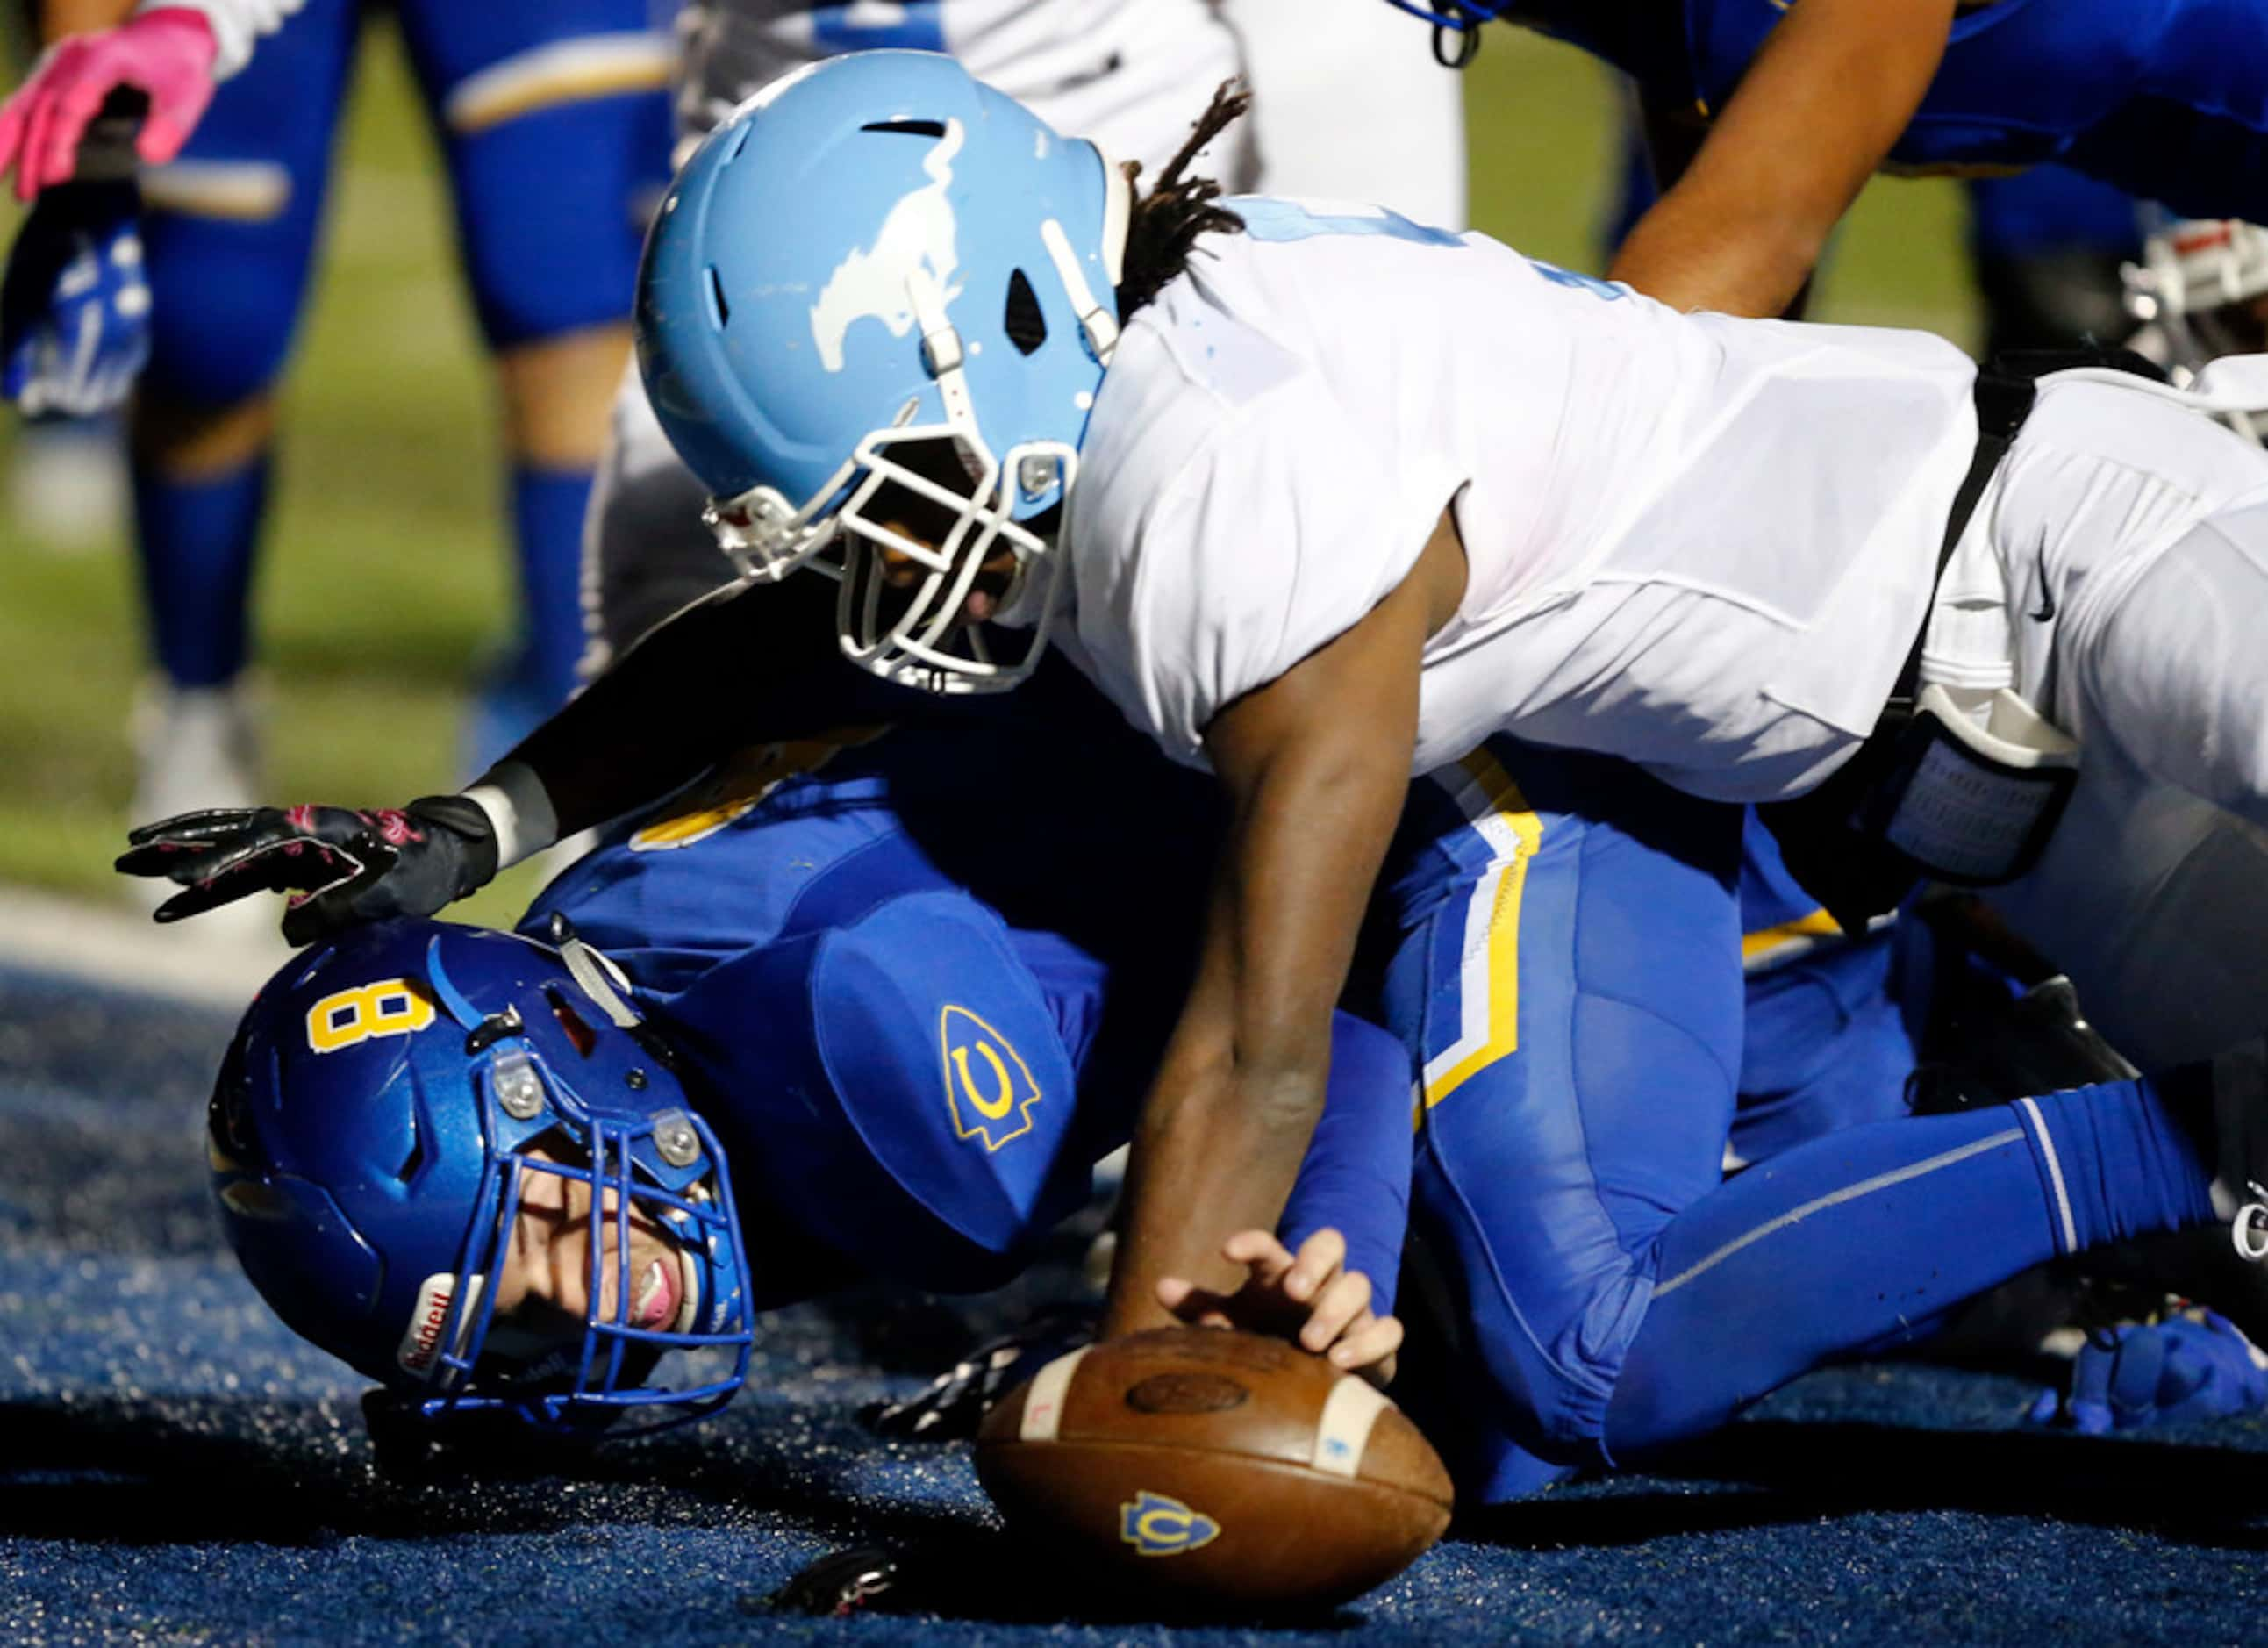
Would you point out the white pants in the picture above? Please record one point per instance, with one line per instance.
(2121, 558)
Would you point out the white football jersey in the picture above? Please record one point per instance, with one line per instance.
(1702, 544)
(1131, 75)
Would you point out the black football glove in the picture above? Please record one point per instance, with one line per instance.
(341, 867)
(955, 1402)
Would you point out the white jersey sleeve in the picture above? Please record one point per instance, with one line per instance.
(235, 25)
(1276, 530)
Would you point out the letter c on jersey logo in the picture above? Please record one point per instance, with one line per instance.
(1155, 1526)
(391, 1007)
(989, 1090)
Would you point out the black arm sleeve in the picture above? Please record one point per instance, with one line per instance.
(751, 662)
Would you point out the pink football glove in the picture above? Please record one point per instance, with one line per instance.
(167, 54)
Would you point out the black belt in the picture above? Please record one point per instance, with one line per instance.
(2004, 400)
(1832, 847)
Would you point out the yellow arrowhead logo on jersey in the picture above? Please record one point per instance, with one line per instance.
(1155, 1526)
(989, 1090)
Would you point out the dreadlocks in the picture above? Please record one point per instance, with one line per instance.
(1169, 216)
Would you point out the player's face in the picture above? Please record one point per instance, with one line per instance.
(543, 1287)
(929, 523)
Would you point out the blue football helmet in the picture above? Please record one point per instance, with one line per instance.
(371, 1138)
(881, 277)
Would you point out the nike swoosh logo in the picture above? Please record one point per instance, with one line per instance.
(2047, 608)
(1085, 77)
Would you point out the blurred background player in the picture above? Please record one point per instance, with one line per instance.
(552, 121)
(2199, 290)
(1337, 113)
(1764, 122)
(66, 475)
(2046, 247)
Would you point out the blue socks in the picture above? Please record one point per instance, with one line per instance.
(547, 525)
(2111, 1171)
(1863, 1237)
(539, 674)
(197, 540)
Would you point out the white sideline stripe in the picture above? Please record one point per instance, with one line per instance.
(123, 950)
(1848, 1193)
(1043, 1408)
(2055, 1172)
(1344, 1431)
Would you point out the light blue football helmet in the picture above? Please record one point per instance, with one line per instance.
(874, 255)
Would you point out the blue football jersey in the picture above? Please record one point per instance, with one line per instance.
(921, 979)
(2166, 99)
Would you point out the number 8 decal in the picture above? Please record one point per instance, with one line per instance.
(391, 1007)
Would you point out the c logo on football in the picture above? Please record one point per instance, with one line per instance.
(1155, 1526)
(391, 1007)
(989, 1090)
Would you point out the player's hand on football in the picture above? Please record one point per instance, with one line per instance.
(167, 54)
(2191, 1367)
(1309, 1296)
(339, 866)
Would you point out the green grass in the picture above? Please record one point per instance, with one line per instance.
(386, 560)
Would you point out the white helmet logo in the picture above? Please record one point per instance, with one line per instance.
(918, 237)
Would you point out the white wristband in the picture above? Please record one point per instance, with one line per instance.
(519, 810)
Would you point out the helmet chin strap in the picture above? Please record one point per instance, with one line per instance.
(940, 346)
(1096, 321)
(1118, 216)
(597, 975)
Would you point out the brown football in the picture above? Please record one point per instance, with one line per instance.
(1217, 1467)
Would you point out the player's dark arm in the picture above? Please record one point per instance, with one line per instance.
(747, 663)
(1818, 110)
(1316, 766)
(755, 664)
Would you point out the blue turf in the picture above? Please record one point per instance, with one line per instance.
(174, 1467)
